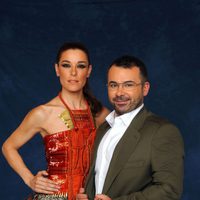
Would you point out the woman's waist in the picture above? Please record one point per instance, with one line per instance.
(77, 162)
(67, 183)
(65, 171)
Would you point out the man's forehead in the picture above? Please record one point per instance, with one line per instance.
(124, 73)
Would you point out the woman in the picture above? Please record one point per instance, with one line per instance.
(67, 124)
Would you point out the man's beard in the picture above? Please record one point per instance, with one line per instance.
(133, 104)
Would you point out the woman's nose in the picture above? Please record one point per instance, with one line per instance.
(73, 71)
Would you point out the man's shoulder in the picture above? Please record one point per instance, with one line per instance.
(155, 120)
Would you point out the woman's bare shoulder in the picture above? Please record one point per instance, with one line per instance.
(100, 118)
(43, 110)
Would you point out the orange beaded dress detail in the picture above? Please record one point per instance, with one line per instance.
(68, 152)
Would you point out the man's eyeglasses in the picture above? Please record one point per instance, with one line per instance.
(128, 85)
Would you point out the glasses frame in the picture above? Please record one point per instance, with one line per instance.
(125, 85)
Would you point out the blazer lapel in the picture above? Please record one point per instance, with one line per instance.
(124, 148)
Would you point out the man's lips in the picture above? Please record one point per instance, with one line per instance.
(121, 99)
(121, 103)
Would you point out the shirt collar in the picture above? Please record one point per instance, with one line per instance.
(125, 118)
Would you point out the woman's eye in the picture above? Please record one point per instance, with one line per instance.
(82, 66)
(66, 65)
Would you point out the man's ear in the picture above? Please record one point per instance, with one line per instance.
(57, 70)
(146, 88)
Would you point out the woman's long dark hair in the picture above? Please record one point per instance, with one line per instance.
(94, 104)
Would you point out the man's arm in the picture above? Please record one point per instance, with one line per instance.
(167, 167)
(167, 155)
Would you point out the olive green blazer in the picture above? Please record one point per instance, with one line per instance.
(147, 163)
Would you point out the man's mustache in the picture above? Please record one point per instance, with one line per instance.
(121, 98)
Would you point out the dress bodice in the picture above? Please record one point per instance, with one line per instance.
(68, 153)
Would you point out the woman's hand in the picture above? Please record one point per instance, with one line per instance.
(41, 184)
(81, 195)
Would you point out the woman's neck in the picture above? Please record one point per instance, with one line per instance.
(75, 101)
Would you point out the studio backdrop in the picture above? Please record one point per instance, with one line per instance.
(164, 34)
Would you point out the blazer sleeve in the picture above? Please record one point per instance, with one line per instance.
(167, 161)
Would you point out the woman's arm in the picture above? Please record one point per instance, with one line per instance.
(100, 118)
(31, 125)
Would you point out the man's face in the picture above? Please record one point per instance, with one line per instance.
(126, 90)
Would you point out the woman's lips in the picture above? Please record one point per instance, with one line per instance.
(73, 81)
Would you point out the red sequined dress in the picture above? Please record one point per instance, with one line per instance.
(68, 152)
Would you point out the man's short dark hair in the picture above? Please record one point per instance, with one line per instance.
(128, 61)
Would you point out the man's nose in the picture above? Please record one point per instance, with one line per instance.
(120, 90)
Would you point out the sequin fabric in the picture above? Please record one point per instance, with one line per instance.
(68, 155)
(48, 197)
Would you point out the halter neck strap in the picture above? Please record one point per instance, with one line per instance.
(70, 112)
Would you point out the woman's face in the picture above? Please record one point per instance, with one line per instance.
(73, 69)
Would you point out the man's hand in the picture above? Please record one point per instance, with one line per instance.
(81, 195)
(102, 197)
(41, 184)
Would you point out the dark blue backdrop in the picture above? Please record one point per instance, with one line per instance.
(165, 34)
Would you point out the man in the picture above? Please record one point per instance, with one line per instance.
(137, 155)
